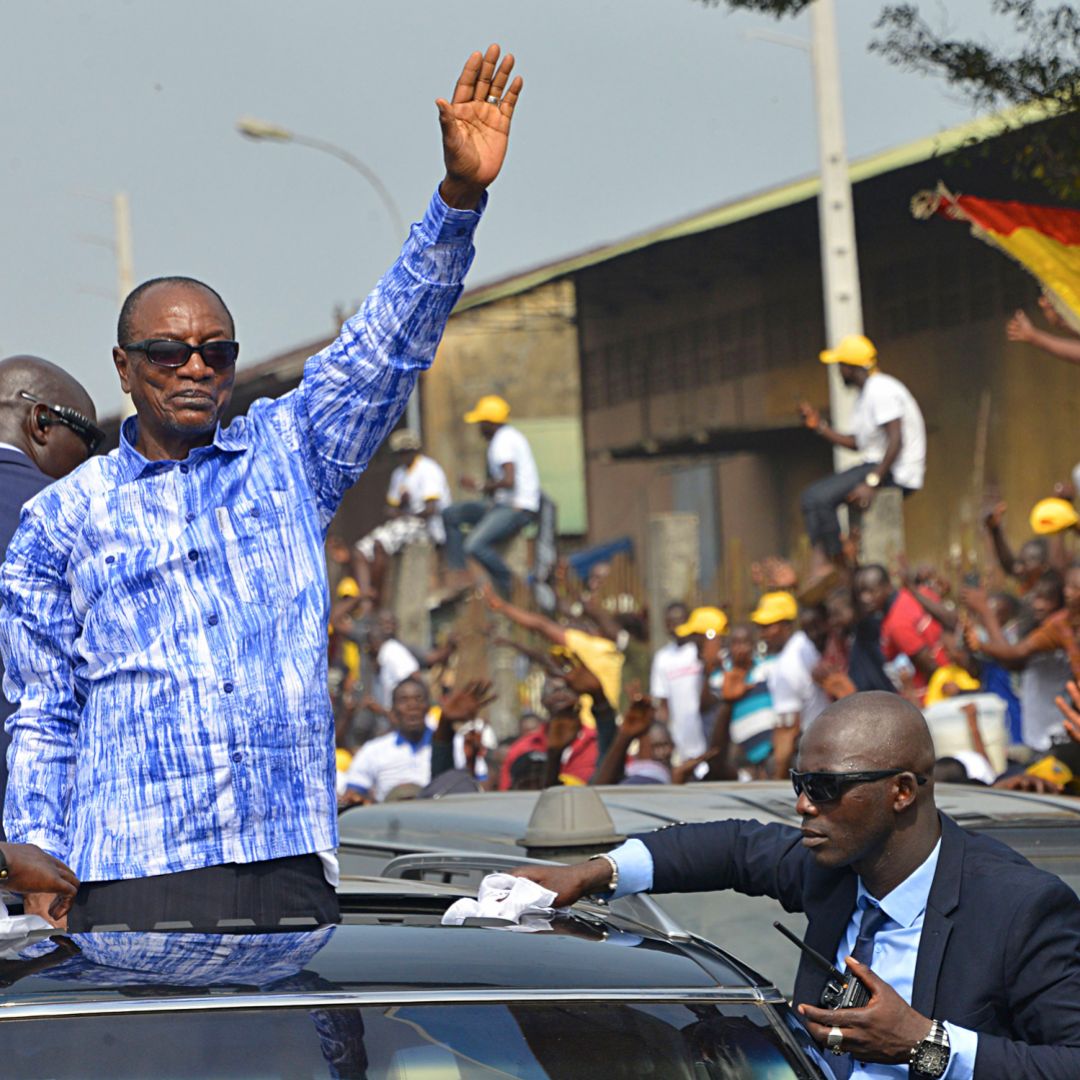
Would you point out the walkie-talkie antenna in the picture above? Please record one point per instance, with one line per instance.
(812, 953)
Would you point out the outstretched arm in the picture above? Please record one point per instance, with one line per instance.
(529, 620)
(354, 391)
(1021, 328)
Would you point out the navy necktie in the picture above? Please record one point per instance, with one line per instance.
(873, 919)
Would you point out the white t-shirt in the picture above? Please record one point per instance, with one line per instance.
(509, 446)
(880, 401)
(791, 681)
(413, 486)
(395, 664)
(383, 763)
(677, 677)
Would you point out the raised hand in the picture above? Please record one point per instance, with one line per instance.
(1070, 710)
(580, 678)
(1019, 327)
(811, 418)
(638, 718)
(464, 702)
(993, 517)
(476, 126)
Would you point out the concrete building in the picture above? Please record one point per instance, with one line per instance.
(660, 374)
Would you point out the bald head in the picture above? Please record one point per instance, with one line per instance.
(45, 380)
(31, 390)
(872, 730)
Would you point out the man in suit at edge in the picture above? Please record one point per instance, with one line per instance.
(46, 429)
(971, 954)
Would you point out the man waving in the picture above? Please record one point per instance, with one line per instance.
(164, 608)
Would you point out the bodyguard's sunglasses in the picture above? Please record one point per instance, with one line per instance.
(826, 787)
(175, 354)
(88, 431)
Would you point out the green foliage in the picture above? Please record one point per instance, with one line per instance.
(1044, 66)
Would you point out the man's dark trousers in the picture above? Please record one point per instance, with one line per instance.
(1000, 947)
(292, 888)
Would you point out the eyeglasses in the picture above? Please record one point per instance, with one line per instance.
(166, 353)
(826, 787)
(88, 431)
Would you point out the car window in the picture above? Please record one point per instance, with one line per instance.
(529, 1041)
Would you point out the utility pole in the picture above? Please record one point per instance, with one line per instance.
(836, 215)
(125, 259)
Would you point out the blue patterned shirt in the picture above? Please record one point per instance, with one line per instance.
(163, 623)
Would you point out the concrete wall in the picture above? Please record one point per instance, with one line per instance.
(523, 348)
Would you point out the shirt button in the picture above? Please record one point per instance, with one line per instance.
(228, 688)
(189, 516)
(238, 757)
(110, 558)
(193, 555)
(184, 468)
(254, 511)
(212, 620)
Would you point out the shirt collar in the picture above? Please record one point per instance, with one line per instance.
(908, 900)
(425, 740)
(14, 449)
(133, 464)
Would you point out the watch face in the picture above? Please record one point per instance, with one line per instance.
(931, 1059)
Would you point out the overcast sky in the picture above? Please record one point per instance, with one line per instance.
(635, 112)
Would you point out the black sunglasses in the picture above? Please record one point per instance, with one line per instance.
(175, 354)
(826, 787)
(88, 431)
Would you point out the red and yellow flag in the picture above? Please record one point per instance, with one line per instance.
(1044, 240)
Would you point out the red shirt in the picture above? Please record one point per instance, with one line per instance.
(908, 628)
(579, 758)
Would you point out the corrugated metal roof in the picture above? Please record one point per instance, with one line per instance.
(288, 364)
(761, 203)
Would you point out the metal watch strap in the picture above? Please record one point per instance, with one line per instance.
(613, 884)
(930, 1057)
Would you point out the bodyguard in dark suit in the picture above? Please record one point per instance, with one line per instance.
(46, 429)
(975, 953)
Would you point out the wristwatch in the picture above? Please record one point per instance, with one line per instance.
(930, 1058)
(872, 479)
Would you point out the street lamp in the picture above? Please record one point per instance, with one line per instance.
(254, 129)
(262, 130)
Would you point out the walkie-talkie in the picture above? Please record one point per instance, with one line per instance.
(843, 990)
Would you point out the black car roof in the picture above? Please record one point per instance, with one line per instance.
(391, 947)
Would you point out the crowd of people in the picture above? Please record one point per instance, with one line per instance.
(990, 659)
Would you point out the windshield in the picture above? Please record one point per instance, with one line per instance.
(528, 1041)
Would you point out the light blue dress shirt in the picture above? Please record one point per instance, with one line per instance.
(895, 946)
(163, 623)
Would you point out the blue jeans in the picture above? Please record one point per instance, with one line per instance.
(492, 525)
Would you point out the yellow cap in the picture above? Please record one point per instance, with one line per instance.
(1053, 516)
(342, 758)
(775, 607)
(704, 620)
(492, 408)
(855, 349)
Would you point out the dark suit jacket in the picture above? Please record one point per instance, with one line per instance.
(20, 479)
(1000, 946)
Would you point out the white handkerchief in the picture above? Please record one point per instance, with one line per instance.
(502, 896)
